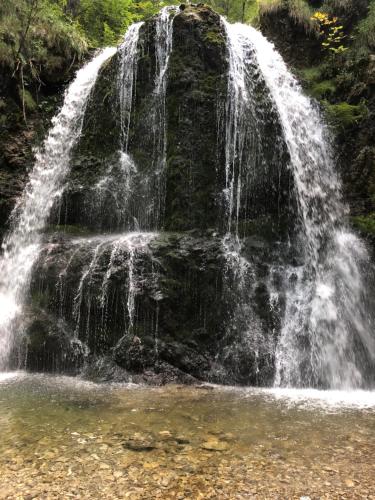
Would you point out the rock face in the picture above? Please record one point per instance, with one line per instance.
(136, 279)
(196, 97)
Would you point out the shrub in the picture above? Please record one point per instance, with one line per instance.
(344, 115)
(365, 223)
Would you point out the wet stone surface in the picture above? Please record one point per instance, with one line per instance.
(64, 438)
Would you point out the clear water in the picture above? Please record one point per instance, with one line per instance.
(68, 437)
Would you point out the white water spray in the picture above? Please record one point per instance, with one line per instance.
(21, 246)
(158, 122)
(126, 79)
(326, 317)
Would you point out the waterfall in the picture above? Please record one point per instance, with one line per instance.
(240, 111)
(326, 337)
(247, 161)
(21, 246)
(163, 49)
(105, 257)
(127, 76)
(135, 187)
(275, 289)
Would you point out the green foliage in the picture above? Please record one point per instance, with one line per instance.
(29, 29)
(344, 115)
(365, 223)
(244, 11)
(28, 100)
(364, 35)
(312, 75)
(145, 9)
(331, 32)
(35, 37)
(104, 21)
(323, 89)
(298, 10)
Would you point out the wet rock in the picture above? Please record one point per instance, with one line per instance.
(51, 345)
(214, 445)
(139, 442)
(134, 354)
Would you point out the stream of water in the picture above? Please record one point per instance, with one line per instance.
(67, 437)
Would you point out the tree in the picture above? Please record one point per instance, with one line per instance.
(35, 34)
(331, 32)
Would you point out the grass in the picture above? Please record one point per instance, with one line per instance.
(298, 10)
(344, 115)
(312, 74)
(323, 89)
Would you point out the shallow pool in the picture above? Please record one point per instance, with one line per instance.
(66, 438)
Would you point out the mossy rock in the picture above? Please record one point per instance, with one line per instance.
(344, 115)
(365, 223)
(311, 74)
(215, 37)
(324, 89)
(67, 229)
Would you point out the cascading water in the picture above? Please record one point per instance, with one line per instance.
(117, 184)
(108, 255)
(163, 47)
(326, 336)
(134, 187)
(251, 291)
(240, 129)
(21, 247)
(126, 79)
(249, 158)
(157, 120)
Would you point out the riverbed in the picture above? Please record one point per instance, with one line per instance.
(64, 437)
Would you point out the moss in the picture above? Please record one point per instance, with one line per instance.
(214, 37)
(323, 89)
(39, 299)
(344, 115)
(365, 223)
(37, 335)
(26, 97)
(262, 227)
(312, 74)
